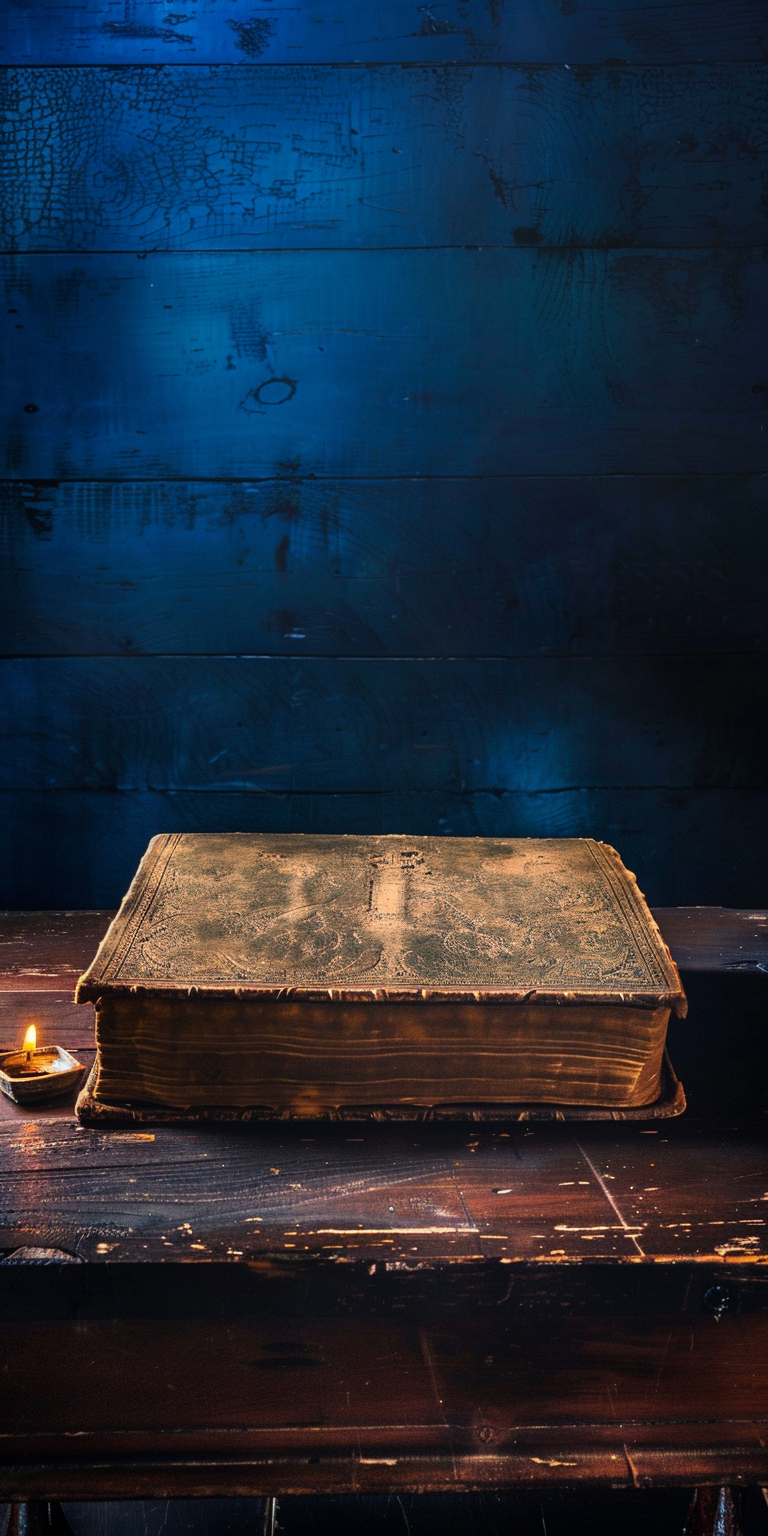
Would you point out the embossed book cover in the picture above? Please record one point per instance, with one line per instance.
(343, 975)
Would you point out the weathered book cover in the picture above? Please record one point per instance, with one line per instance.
(310, 975)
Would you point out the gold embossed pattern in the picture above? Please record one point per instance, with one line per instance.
(554, 916)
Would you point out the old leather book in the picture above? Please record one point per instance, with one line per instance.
(321, 975)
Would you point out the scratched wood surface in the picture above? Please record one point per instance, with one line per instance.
(40, 950)
(247, 157)
(610, 1276)
(395, 1309)
(517, 566)
(145, 32)
(469, 362)
(716, 938)
(381, 1311)
(540, 1194)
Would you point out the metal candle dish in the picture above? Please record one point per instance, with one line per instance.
(31, 1076)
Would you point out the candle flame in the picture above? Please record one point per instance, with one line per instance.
(30, 1039)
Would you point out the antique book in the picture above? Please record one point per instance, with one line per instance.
(318, 976)
(340, 975)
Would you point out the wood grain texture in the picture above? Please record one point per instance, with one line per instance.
(385, 1387)
(418, 1193)
(56, 1017)
(685, 844)
(466, 362)
(253, 157)
(382, 726)
(39, 950)
(715, 938)
(144, 32)
(599, 564)
(733, 1455)
(398, 1308)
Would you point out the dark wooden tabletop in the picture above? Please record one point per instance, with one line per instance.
(261, 1309)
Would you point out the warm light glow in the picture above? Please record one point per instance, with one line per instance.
(30, 1040)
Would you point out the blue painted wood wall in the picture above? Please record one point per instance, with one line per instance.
(384, 395)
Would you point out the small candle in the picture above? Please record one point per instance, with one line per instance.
(35, 1072)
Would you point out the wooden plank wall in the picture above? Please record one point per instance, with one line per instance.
(384, 394)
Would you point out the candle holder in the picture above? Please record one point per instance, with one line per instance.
(46, 1072)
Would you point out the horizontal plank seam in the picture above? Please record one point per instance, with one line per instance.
(563, 1430)
(617, 1426)
(758, 247)
(607, 65)
(410, 478)
(445, 792)
(756, 653)
(359, 250)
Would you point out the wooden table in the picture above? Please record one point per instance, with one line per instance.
(251, 1310)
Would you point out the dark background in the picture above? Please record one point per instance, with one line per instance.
(384, 403)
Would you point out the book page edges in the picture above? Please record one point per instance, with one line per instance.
(671, 1103)
(306, 1058)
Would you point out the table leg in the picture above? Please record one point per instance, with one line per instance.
(712, 1513)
